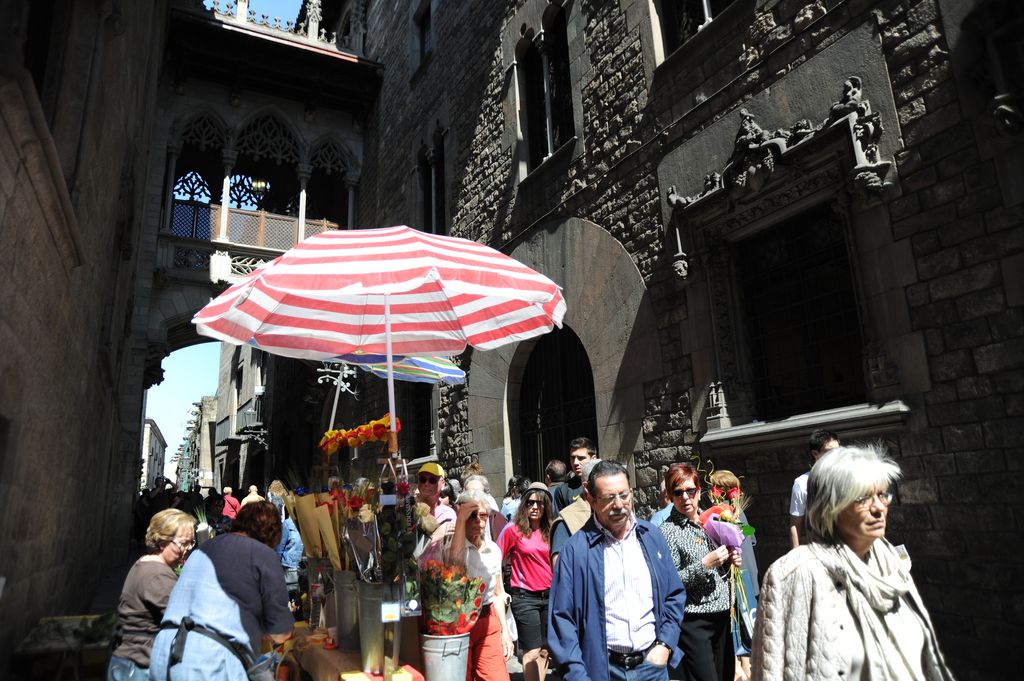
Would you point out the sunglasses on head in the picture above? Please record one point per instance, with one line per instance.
(691, 492)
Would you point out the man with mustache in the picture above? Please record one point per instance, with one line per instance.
(616, 599)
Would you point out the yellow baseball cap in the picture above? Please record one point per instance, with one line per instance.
(432, 468)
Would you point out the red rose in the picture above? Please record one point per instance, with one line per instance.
(716, 491)
(483, 587)
(403, 488)
(355, 502)
(734, 493)
(477, 601)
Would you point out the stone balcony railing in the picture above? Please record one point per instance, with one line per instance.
(196, 249)
(308, 32)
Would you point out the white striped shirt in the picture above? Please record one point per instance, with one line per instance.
(628, 593)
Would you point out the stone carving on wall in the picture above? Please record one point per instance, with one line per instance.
(757, 153)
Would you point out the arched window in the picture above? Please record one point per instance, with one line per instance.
(430, 164)
(563, 127)
(546, 90)
(556, 401)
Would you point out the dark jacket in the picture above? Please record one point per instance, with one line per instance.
(576, 621)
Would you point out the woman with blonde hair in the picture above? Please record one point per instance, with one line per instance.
(844, 606)
(169, 538)
(725, 489)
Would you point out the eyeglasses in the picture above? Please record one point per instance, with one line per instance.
(184, 546)
(688, 491)
(624, 497)
(479, 515)
(883, 498)
(534, 502)
(428, 479)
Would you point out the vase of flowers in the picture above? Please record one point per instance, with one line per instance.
(451, 606)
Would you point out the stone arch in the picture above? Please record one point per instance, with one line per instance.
(204, 128)
(171, 312)
(610, 313)
(332, 155)
(267, 127)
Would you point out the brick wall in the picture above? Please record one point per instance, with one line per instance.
(957, 204)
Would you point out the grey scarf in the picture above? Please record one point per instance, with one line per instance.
(876, 587)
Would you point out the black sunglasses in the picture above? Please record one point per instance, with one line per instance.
(534, 502)
(428, 479)
(691, 492)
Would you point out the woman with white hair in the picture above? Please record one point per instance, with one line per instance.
(844, 606)
(490, 642)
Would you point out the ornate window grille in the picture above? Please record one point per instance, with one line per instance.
(267, 137)
(556, 402)
(190, 217)
(204, 132)
(329, 157)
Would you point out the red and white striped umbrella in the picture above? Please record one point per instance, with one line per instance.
(389, 291)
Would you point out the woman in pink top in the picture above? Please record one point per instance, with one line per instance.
(526, 544)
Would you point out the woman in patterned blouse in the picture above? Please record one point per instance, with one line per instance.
(704, 570)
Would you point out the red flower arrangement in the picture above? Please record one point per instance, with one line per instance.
(451, 600)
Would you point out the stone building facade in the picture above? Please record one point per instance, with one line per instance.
(154, 447)
(805, 214)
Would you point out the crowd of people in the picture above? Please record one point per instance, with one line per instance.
(575, 581)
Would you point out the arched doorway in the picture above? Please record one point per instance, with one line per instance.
(556, 401)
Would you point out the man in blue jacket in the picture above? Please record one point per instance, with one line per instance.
(616, 599)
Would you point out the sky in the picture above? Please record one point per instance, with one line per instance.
(286, 9)
(189, 374)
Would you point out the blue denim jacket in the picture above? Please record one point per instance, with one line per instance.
(576, 620)
(290, 548)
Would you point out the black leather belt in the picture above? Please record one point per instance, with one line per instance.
(516, 591)
(629, 660)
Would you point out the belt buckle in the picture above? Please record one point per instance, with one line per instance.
(633, 660)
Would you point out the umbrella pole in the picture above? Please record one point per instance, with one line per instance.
(392, 434)
(337, 393)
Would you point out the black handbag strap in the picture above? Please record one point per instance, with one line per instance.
(188, 625)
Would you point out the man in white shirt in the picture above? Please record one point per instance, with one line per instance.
(820, 442)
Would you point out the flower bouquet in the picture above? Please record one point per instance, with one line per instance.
(451, 600)
(722, 521)
(374, 431)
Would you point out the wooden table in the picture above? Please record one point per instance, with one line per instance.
(332, 665)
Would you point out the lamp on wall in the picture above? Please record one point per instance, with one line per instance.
(253, 426)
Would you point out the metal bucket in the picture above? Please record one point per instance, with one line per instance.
(445, 657)
(346, 608)
(371, 627)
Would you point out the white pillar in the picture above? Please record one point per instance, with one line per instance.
(225, 195)
(172, 162)
(304, 173)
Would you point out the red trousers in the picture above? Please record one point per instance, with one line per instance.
(486, 654)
